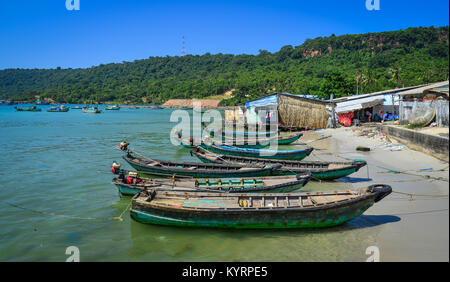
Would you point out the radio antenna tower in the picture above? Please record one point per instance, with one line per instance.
(183, 49)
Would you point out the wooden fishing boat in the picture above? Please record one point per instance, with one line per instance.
(254, 211)
(128, 185)
(112, 108)
(240, 143)
(77, 108)
(91, 110)
(60, 109)
(281, 140)
(29, 109)
(319, 170)
(289, 139)
(168, 168)
(261, 153)
(248, 133)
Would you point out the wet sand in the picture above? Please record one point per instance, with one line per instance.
(416, 228)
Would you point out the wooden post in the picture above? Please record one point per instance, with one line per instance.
(393, 108)
(333, 105)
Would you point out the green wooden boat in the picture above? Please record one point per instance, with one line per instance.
(261, 141)
(246, 134)
(112, 108)
(168, 168)
(91, 110)
(289, 139)
(129, 185)
(319, 170)
(60, 109)
(253, 211)
(261, 153)
(240, 143)
(29, 109)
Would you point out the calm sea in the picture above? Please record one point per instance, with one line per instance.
(56, 192)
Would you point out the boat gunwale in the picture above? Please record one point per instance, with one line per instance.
(214, 166)
(241, 210)
(347, 165)
(303, 180)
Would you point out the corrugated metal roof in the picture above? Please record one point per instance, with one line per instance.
(439, 87)
(361, 96)
(353, 105)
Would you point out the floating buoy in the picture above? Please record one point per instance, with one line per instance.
(123, 146)
(115, 168)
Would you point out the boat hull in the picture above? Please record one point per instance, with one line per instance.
(316, 173)
(279, 155)
(148, 171)
(129, 190)
(252, 220)
(287, 141)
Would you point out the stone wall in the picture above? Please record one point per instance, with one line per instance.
(434, 145)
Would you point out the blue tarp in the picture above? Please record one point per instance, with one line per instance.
(263, 102)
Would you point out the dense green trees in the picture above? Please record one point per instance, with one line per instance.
(337, 65)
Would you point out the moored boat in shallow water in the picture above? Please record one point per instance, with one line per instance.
(112, 108)
(130, 184)
(259, 153)
(59, 109)
(168, 168)
(29, 109)
(91, 110)
(320, 170)
(254, 211)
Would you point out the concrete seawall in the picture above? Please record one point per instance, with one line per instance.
(434, 145)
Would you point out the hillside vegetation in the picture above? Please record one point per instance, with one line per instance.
(338, 65)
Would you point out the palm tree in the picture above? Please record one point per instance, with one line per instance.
(394, 72)
(367, 78)
(359, 78)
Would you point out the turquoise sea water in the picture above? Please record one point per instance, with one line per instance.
(56, 192)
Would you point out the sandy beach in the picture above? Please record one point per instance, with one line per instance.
(406, 227)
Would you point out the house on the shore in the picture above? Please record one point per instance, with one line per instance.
(427, 102)
(375, 105)
(289, 111)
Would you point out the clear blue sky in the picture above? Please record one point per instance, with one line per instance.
(43, 34)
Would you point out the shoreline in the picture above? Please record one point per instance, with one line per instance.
(407, 228)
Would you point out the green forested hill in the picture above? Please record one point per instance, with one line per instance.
(337, 64)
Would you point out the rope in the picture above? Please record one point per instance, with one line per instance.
(315, 140)
(411, 195)
(412, 174)
(119, 218)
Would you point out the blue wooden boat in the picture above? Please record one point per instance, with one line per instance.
(112, 108)
(259, 153)
(91, 110)
(58, 109)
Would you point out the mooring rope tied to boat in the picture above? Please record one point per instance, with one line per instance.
(426, 176)
(119, 218)
(311, 141)
(411, 195)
